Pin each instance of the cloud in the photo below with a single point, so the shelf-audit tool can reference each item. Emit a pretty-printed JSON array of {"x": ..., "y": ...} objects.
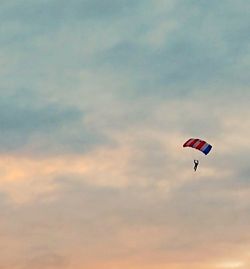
[
  {"x": 47, "y": 261},
  {"x": 145, "y": 223},
  {"x": 32, "y": 126},
  {"x": 97, "y": 98}
]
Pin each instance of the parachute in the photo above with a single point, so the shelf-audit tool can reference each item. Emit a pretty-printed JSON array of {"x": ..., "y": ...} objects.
[{"x": 198, "y": 144}]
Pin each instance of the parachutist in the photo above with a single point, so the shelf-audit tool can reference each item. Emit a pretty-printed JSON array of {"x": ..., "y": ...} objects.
[
  {"x": 200, "y": 145},
  {"x": 196, "y": 163}
]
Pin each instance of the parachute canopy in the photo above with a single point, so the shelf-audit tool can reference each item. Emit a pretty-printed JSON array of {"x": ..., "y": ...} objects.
[{"x": 196, "y": 143}]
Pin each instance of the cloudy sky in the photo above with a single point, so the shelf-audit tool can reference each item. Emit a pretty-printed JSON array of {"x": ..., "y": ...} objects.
[{"x": 97, "y": 98}]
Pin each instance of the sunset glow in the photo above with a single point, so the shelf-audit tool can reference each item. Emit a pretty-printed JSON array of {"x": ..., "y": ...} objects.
[{"x": 97, "y": 99}]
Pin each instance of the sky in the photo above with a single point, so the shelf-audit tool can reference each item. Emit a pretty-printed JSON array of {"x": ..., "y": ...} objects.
[{"x": 97, "y": 99}]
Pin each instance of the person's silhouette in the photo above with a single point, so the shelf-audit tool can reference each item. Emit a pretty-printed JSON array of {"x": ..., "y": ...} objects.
[{"x": 196, "y": 163}]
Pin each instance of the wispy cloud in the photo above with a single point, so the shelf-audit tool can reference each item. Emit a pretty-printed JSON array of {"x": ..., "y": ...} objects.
[{"x": 97, "y": 98}]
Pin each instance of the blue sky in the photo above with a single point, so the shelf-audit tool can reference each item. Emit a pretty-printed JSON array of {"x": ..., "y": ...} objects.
[{"x": 97, "y": 98}]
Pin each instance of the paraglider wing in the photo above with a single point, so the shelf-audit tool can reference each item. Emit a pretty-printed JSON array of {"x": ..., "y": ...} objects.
[{"x": 201, "y": 145}]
